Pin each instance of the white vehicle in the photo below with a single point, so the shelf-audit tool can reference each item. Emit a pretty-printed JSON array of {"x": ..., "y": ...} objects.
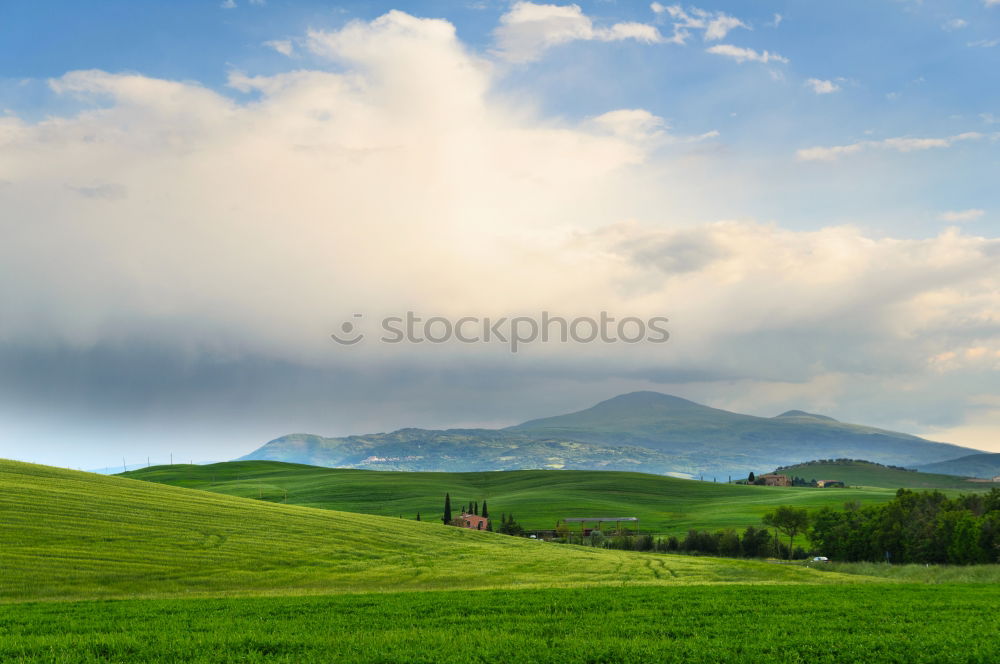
[{"x": 821, "y": 559}]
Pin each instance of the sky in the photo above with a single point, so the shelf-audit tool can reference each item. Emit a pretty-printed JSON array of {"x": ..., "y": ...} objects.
[{"x": 195, "y": 195}]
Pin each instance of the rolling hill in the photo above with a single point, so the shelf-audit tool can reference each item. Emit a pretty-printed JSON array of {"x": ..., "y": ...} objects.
[
  {"x": 867, "y": 474},
  {"x": 974, "y": 465},
  {"x": 641, "y": 431},
  {"x": 537, "y": 498},
  {"x": 74, "y": 535}
]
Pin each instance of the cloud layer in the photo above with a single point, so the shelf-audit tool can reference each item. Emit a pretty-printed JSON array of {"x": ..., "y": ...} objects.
[{"x": 239, "y": 230}]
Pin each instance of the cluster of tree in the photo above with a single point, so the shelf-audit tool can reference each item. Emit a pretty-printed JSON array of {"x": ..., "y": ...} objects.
[
  {"x": 471, "y": 508},
  {"x": 753, "y": 543},
  {"x": 508, "y": 526},
  {"x": 924, "y": 527}
]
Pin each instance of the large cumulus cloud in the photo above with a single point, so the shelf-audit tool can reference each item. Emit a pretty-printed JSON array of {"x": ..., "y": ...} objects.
[{"x": 243, "y": 227}]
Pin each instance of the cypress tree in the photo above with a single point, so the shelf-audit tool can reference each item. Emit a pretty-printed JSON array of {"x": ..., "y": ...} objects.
[
  {"x": 475, "y": 508},
  {"x": 486, "y": 512},
  {"x": 418, "y": 516},
  {"x": 447, "y": 509},
  {"x": 751, "y": 478}
]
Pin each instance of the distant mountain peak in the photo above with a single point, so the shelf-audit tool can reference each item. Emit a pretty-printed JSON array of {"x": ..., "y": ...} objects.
[
  {"x": 648, "y": 398},
  {"x": 802, "y": 413}
]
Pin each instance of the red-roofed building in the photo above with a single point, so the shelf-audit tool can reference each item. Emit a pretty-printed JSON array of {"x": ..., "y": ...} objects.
[{"x": 474, "y": 521}]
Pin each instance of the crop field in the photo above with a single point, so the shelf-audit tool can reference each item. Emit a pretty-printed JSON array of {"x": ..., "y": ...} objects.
[
  {"x": 73, "y": 535},
  {"x": 900, "y": 623},
  {"x": 537, "y": 498}
]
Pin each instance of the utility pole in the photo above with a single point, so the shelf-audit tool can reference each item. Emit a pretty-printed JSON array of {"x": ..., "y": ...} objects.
[{"x": 124, "y": 468}]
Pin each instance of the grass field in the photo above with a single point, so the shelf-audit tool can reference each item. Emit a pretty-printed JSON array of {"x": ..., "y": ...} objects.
[
  {"x": 73, "y": 535},
  {"x": 752, "y": 624},
  {"x": 537, "y": 498},
  {"x": 109, "y": 569},
  {"x": 862, "y": 473}
]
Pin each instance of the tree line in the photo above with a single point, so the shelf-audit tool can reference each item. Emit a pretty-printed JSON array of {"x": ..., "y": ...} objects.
[
  {"x": 752, "y": 543},
  {"x": 914, "y": 527},
  {"x": 924, "y": 527}
]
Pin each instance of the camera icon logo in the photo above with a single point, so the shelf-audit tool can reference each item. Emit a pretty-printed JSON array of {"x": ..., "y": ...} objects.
[{"x": 350, "y": 333}]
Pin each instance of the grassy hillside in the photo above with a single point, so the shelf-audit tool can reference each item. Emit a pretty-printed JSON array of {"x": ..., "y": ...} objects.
[
  {"x": 863, "y": 473},
  {"x": 974, "y": 465},
  {"x": 537, "y": 498},
  {"x": 69, "y": 534},
  {"x": 779, "y": 624}
]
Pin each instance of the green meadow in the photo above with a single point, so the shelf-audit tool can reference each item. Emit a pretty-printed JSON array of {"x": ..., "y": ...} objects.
[
  {"x": 537, "y": 498},
  {"x": 74, "y": 535},
  {"x": 738, "y": 623},
  {"x": 110, "y": 569}
]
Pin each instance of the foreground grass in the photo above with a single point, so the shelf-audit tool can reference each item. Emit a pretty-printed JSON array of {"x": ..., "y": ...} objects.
[
  {"x": 537, "y": 498},
  {"x": 894, "y": 623},
  {"x": 919, "y": 573},
  {"x": 73, "y": 535}
]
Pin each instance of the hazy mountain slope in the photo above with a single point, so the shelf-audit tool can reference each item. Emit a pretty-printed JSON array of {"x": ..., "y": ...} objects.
[
  {"x": 679, "y": 426},
  {"x": 974, "y": 465},
  {"x": 643, "y": 431},
  {"x": 458, "y": 450}
]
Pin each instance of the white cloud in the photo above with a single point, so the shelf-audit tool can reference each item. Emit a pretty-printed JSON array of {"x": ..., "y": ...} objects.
[
  {"x": 713, "y": 25},
  {"x": 983, "y": 43},
  {"x": 822, "y": 87},
  {"x": 528, "y": 29},
  {"x": 903, "y": 144},
  {"x": 283, "y": 46},
  {"x": 954, "y": 24},
  {"x": 228, "y": 4},
  {"x": 992, "y": 3},
  {"x": 632, "y": 124},
  {"x": 745, "y": 54},
  {"x": 639, "y": 126},
  {"x": 778, "y": 18},
  {"x": 958, "y": 216}
]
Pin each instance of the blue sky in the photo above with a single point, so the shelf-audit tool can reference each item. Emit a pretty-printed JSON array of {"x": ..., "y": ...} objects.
[
  {"x": 195, "y": 193},
  {"x": 903, "y": 68}
]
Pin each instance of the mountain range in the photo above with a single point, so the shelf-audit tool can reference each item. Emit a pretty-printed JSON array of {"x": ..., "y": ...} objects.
[
  {"x": 641, "y": 431},
  {"x": 985, "y": 466}
]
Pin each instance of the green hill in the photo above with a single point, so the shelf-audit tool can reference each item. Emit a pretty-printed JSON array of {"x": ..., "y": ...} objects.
[
  {"x": 537, "y": 498},
  {"x": 868, "y": 474},
  {"x": 68, "y": 534},
  {"x": 974, "y": 465},
  {"x": 642, "y": 431}
]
